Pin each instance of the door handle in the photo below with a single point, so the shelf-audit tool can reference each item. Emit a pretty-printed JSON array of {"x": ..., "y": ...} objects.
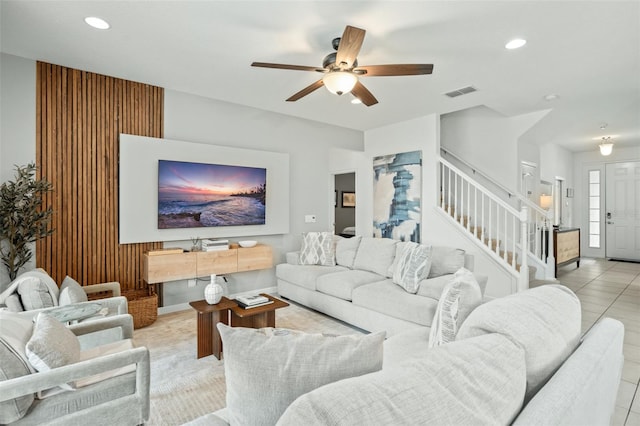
[{"x": 609, "y": 222}]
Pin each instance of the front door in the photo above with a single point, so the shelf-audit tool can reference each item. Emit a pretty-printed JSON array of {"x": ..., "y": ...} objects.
[{"x": 622, "y": 210}]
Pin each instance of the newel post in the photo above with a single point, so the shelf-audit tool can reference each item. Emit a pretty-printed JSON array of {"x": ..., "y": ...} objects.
[
  {"x": 550, "y": 273},
  {"x": 523, "y": 281}
]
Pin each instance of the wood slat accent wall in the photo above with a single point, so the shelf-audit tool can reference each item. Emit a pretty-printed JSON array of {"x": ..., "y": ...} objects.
[{"x": 79, "y": 116}]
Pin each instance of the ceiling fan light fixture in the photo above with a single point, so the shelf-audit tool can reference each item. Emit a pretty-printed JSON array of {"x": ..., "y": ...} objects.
[
  {"x": 606, "y": 147},
  {"x": 339, "y": 82}
]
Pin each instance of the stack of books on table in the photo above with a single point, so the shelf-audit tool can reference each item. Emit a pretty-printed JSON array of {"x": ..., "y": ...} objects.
[
  {"x": 247, "y": 302},
  {"x": 213, "y": 245}
]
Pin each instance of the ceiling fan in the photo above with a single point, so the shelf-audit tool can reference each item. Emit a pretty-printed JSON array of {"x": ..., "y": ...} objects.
[{"x": 341, "y": 70}]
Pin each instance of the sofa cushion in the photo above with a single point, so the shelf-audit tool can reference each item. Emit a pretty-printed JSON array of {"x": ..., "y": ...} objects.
[
  {"x": 14, "y": 334},
  {"x": 545, "y": 321},
  {"x": 13, "y": 303},
  {"x": 461, "y": 296},
  {"x": 411, "y": 265},
  {"x": 34, "y": 294},
  {"x": 71, "y": 292},
  {"x": 432, "y": 287},
  {"x": 317, "y": 249},
  {"x": 341, "y": 284},
  {"x": 346, "y": 249},
  {"x": 477, "y": 382},
  {"x": 387, "y": 298},
  {"x": 267, "y": 369},
  {"x": 375, "y": 255},
  {"x": 305, "y": 275},
  {"x": 445, "y": 260}
]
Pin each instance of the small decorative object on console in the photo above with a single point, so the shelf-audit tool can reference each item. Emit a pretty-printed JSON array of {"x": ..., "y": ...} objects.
[
  {"x": 247, "y": 243},
  {"x": 213, "y": 291}
]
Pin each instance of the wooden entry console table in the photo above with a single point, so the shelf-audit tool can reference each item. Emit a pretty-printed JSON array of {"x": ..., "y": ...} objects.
[
  {"x": 161, "y": 268},
  {"x": 566, "y": 244}
]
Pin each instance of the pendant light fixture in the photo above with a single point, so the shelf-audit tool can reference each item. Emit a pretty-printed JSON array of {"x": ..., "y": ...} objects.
[{"x": 606, "y": 146}]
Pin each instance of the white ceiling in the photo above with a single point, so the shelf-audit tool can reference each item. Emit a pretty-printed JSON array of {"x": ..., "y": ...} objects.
[{"x": 587, "y": 52}]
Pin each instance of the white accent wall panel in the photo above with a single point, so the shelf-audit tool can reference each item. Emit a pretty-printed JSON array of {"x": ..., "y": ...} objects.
[{"x": 139, "y": 187}]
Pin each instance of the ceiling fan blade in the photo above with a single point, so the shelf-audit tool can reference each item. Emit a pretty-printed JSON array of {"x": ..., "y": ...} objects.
[
  {"x": 304, "y": 92},
  {"x": 287, "y": 67},
  {"x": 349, "y": 46},
  {"x": 392, "y": 70},
  {"x": 362, "y": 93}
]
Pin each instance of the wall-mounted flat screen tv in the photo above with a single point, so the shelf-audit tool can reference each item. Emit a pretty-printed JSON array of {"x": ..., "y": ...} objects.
[{"x": 194, "y": 195}]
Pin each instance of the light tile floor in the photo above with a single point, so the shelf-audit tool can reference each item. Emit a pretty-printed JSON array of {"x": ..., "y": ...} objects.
[{"x": 612, "y": 289}]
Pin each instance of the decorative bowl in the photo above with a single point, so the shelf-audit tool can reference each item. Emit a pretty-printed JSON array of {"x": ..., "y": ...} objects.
[{"x": 247, "y": 243}]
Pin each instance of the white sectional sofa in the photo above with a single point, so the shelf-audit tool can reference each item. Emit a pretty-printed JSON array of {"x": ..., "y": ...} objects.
[
  {"x": 359, "y": 289},
  {"x": 517, "y": 360}
]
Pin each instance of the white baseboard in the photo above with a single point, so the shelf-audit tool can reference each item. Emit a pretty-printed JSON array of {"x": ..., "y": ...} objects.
[{"x": 184, "y": 306}]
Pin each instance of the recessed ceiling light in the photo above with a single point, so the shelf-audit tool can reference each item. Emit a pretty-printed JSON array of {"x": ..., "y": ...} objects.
[
  {"x": 356, "y": 101},
  {"x": 96, "y": 22},
  {"x": 551, "y": 97},
  {"x": 516, "y": 43}
]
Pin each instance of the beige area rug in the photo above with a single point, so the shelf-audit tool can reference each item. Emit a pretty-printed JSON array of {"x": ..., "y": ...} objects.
[{"x": 183, "y": 387}]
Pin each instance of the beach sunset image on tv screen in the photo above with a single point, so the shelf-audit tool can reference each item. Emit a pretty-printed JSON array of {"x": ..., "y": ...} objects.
[{"x": 193, "y": 195}]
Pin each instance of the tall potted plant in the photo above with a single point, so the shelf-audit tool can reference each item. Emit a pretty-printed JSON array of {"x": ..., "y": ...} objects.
[{"x": 22, "y": 220}]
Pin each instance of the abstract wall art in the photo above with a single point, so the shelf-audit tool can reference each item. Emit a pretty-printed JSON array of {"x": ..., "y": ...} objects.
[{"x": 397, "y": 189}]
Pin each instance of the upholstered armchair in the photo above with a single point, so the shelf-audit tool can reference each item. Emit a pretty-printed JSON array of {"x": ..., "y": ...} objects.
[
  {"x": 109, "y": 381},
  {"x": 35, "y": 291}
]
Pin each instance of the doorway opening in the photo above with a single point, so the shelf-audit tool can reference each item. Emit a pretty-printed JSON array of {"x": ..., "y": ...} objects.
[{"x": 344, "y": 222}]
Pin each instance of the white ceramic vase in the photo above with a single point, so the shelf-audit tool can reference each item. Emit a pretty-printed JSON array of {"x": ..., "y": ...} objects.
[{"x": 213, "y": 291}]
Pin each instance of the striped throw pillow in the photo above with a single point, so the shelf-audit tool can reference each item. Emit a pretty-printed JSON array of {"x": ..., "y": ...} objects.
[
  {"x": 459, "y": 297},
  {"x": 412, "y": 266}
]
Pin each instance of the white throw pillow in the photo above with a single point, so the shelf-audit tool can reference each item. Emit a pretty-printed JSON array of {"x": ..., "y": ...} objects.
[
  {"x": 71, "y": 292},
  {"x": 267, "y": 369},
  {"x": 317, "y": 249},
  {"x": 52, "y": 345},
  {"x": 411, "y": 266},
  {"x": 459, "y": 297}
]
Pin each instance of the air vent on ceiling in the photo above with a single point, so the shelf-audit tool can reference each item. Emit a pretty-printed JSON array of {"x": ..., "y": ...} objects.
[{"x": 460, "y": 92}]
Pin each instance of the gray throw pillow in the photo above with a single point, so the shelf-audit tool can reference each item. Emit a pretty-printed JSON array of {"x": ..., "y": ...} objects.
[
  {"x": 445, "y": 260},
  {"x": 317, "y": 249},
  {"x": 267, "y": 369},
  {"x": 411, "y": 266},
  {"x": 545, "y": 321},
  {"x": 459, "y": 297},
  {"x": 34, "y": 294},
  {"x": 71, "y": 292},
  {"x": 52, "y": 345}
]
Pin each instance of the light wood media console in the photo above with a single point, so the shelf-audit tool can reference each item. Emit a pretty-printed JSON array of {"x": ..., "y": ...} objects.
[{"x": 158, "y": 269}]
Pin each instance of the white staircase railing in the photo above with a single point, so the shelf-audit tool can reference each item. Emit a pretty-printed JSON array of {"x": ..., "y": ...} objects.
[
  {"x": 540, "y": 232},
  {"x": 499, "y": 228}
]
